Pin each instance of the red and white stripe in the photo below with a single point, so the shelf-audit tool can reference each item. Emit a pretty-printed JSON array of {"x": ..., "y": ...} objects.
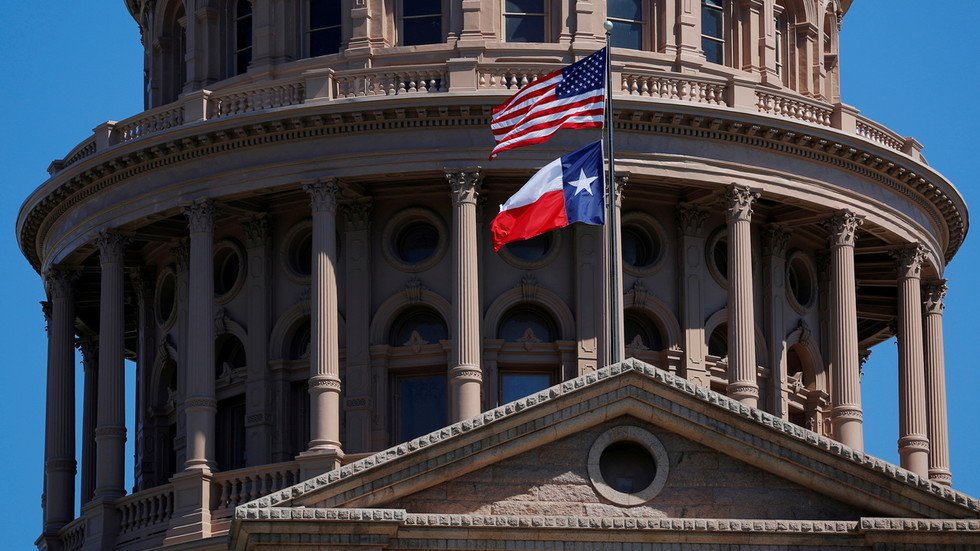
[{"x": 535, "y": 113}]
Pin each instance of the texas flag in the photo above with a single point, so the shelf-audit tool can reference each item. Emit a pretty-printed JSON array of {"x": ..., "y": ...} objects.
[{"x": 567, "y": 190}]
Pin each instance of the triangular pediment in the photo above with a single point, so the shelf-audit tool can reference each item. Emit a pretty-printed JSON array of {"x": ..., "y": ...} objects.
[{"x": 725, "y": 460}]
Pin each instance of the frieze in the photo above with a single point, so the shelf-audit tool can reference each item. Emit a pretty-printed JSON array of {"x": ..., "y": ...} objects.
[{"x": 88, "y": 181}]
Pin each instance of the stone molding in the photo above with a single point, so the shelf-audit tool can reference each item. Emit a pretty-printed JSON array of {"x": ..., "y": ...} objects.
[
  {"x": 357, "y": 215},
  {"x": 765, "y": 422},
  {"x": 256, "y": 229},
  {"x": 323, "y": 195},
  {"x": 775, "y": 237},
  {"x": 690, "y": 219},
  {"x": 80, "y": 184},
  {"x": 842, "y": 228}
]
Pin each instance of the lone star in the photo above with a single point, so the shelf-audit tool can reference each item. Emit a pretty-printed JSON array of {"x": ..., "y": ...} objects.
[{"x": 583, "y": 183}]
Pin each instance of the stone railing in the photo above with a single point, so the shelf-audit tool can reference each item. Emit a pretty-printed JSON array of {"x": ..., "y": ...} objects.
[
  {"x": 81, "y": 151},
  {"x": 145, "y": 513},
  {"x": 149, "y": 122},
  {"x": 493, "y": 77},
  {"x": 73, "y": 535},
  {"x": 256, "y": 99},
  {"x": 391, "y": 81},
  {"x": 674, "y": 87},
  {"x": 240, "y": 486},
  {"x": 874, "y": 132},
  {"x": 790, "y": 107}
]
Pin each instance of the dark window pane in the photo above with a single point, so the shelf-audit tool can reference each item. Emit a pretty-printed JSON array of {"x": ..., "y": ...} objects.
[
  {"x": 423, "y": 30},
  {"x": 524, "y": 6},
  {"x": 518, "y": 385},
  {"x": 421, "y": 7},
  {"x": 627, "y": 35},
  {"x": 242, "y": 59},
  {"x": 721, "y": 257},
  {"x": 428, "y": 324},
  {"x": 229, "y": 434},
  {"x": 712, "y": 23},
  {"x": 524, "y": 28},
  {"x": 523, "y": 322},
  {"x": 635, "y": 327},
  {"x": 324, "y": 13},
  {"x": 715, "y": 3},
  {"x": 530, "y": 250},
  {"x": 421, "y": 405},
  {"x": 714, "y": 52},
  {"x": 417, "y": 242},
  {"x": 326, "y": 41},
  {"x": 718, "y": 341},
  {"x": 243, "y": 8},
  {"x": 625, "y": 9},
  {"x": 627, "y": 467},
  {"x": 244, "y": 33},
  {"x": 640, "y": 247}
]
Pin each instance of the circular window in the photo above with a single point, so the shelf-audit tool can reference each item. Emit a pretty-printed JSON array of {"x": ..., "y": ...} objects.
[
  {"x": 628, "y": 465},
  {"x": 166, "y": 298},
  {"x": 801, "y": 280},
  {"x": 642, "y": 244},
  {"x": 228, "y": 270},
  {"x": 298, "y": 250},
  {"x": 533, "y": 253},
  {"x": 414, "y": 240}
]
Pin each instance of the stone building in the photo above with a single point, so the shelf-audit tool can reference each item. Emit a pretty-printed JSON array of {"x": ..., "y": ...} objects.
[{"x": 291, "y": 245}]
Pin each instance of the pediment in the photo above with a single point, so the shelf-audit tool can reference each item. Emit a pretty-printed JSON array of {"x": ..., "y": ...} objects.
[{"x": 722, "y": 454}]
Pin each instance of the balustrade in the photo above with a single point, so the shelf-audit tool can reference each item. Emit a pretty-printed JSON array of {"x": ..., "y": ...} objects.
[
  {"x": 390, "y": 82},
  {"x": 494, "y": 78},
  {"x": 145, "y": 509},
  {"x": 793, "y": 108},
  {"x": 244, "y": 485},
  {"x": 879, "y": 134},
  {"x": 148, "y": 123},
  {"x": 246, "y": 101},
  {"x": 669, "y": 87}
]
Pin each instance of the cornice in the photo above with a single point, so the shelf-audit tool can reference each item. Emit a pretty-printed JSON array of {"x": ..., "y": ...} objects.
[{"x": 918, "y": 183}]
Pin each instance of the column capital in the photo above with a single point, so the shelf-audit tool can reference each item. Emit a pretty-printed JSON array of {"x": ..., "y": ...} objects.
[
  {"x": 621, "y": 181},
  {"x": 46, "y": 312},
  {"x": 200, "y": 215},
  {"x": 111, "y": 246},
  {"x": 323, "y": 194},
  {"x": 842, "y": 227},
  {"x": 738, "y": 201},
  {"x": 357, "y": 215},
  {"x": 89, "y": 348},
  {"x": 690, "y": 218},
  {"x": 465, "y": 184},
  {"x": 933, "y": 296},
  {"x": 256, "y": 230},
  {"x": 775, "y": 237},
  {"x": 59, "y": 281},
  {"x": 909, "y": 260}
]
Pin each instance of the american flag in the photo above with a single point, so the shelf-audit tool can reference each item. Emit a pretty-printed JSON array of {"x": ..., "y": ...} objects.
[{"x": 572, "y": 97}]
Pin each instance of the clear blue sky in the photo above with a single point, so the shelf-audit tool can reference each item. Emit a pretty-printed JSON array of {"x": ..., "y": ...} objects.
[{"x": 67, "y": 65}]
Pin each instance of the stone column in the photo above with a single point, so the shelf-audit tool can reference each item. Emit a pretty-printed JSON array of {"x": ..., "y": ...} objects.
[
  {"x": 59, "y": 419},
  {"x": 258, "y": 419},
  {"x": 589, "y": 293},
  {"x": 691, "y": 272},
  {"x": 90, "y": 358},
  {"x": 935, "y": 373},
  {"x": 199, "y": 404},
  {"x": 142, "y": 279},
  {"x": 742, "y": 383},
  {"x": 465, "y": 375},
  {"x": 324, "y": 451},
  {"x": 110, "y": 432},
  {"x": 913, "y": 442},
  {"x": 846, "y": 417},
  {"x": 358, "y": 403},
  {"x": 181, "y": 254},
  {"x": 774, "y": 240}
]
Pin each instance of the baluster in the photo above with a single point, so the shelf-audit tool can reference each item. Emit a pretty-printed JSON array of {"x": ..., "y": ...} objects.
[{"x": 225, "y": 490}]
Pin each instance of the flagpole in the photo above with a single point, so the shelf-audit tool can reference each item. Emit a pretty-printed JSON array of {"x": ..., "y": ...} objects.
[{"x": 612, "y": 257}]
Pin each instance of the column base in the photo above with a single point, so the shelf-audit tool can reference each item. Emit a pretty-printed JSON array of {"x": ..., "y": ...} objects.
[
  {"x": 193, "y": 494},
  {"x": 746, "y": 393},
  {"x": 313, "y": 463},
  {"x": 941, "y": 476},
  {"x": 102, "y": 525},
  {"x": 848, "y": 427},
  {"x": 913, "y": 452}
]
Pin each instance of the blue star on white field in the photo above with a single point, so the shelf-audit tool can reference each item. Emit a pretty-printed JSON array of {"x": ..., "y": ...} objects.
[{"x": 584, "y": 183}]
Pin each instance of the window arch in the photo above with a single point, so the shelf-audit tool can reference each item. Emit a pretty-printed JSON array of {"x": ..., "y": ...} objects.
[
  {"x": 640, "y": 333},
  {"x": 417, "y": 326},
  {"x": 528, "y": 367},
  {"x": 243, "y": 35},
  {"x": 299, "y": 341},
  {"x": 830, "y": 47},
  {"x": 323, "y": 27},
  {"x": 229, "y": 355},
  {"x": 526, "y": 322}
]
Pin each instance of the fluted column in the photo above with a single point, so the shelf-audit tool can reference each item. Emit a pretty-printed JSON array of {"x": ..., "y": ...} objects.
[
  {"x": 199, "y": 404},
  {"x": 110, "y": 432},
  {"x": 742, "y": 384},
  {"x": 846, "y": 416},
  {"x": 913, "y": 442},
  {"x": 59, "y": 420},
  {"x": 935, "y": 374},
  {"x": 466, "y": 378},
  {"x": 90, "y": 359},
  {"x": 324, "y": 338}
]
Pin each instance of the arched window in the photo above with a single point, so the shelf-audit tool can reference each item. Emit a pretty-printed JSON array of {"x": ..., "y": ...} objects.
[
  {"x": 640, "y": 333},
  {"x": 229, "y": 355},
  {"x": 627, "y": 16},
  {"x": 229, "y": 430},
  {"x": 173, "y": 46},
  {"x": 525, "y": 20},
  {"x": 421, "y": 22},
  {"x": 323, "y": 35},
  {"x": 299, "y": 341},
  {"x": 718, "y": 341},
  {"x": 418, "y": 326},
  {"x": 520, "y": 376},
  {"x": 243, "y": 35},
  {"x": 165, "y": 423},
  {"x": 779, "y": 21},
  {"x": 713, "y": 30},
  {"x": 525, "y": 323},
  {"x": 830, "y": 60}
]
